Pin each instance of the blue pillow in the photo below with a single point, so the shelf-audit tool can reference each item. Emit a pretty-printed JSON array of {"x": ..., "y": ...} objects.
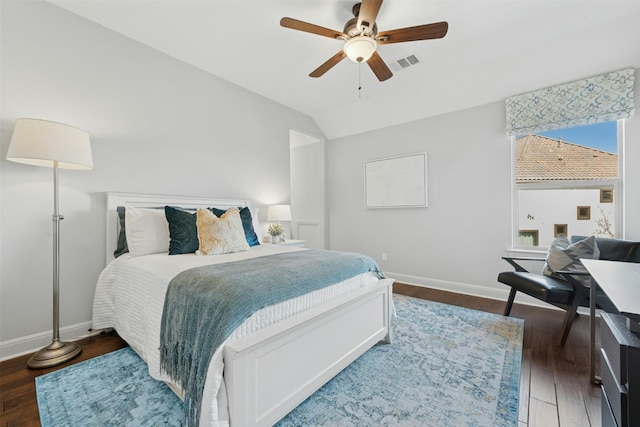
[
  {"x": 122, "y": 247},
  {"x": 183, "y": 233},
  {"x": 247, "y": 224}
]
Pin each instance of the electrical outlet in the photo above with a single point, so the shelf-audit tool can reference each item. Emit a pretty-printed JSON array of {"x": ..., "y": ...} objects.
[{"x": 384, "y": 256}]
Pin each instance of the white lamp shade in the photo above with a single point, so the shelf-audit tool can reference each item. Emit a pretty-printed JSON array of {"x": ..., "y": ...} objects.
[
  {"x": 360, "y": 48},
  {"x": 279, "y": 213},
  {"x": 41, "y": 143}
]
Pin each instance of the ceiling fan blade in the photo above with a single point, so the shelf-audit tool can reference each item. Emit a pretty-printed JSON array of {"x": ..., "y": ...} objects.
[
  {"x": 295, "y": 24},
  {"x": 368, "y": 13},
  {"x": 379, "y": 68},
  {"x": 421, "y": 32},
  {"x": 329, "y": 64}
]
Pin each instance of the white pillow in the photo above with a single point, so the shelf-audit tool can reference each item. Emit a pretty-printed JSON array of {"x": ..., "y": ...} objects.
[
  {"x": 147, "y": 230},
  {"x": 256, "y": 222},
  {"x": 564, "y": 256}
]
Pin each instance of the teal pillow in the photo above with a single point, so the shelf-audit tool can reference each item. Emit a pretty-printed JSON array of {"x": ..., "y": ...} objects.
[{"x": 183, "y": 233}]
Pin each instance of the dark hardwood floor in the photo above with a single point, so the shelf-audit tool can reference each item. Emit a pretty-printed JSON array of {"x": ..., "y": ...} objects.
[{"x": 554, "y": 387}]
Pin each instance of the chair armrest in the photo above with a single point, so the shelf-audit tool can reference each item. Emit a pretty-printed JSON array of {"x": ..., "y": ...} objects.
[
  {"x": 573, "y": 273},
  {"x": 512, "y": 260},
  {"x": 568, "y": 276}
]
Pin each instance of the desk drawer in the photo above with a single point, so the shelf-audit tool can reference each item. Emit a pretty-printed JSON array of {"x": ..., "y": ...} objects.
[
  {"x": 614, "y": 392},
  {"x": 611, "y": 345},
  {"x": 608, "y": 419}
]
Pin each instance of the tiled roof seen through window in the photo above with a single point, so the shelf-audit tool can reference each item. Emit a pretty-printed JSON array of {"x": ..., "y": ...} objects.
[{"x": 539, "y": 158}]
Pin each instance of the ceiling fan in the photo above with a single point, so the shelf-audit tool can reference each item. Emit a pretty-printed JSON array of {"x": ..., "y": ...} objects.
[{"x": 361, "y": 37}]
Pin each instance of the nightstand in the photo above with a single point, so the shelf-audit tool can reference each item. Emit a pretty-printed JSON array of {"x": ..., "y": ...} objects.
[{"x": 291, "y": 242}]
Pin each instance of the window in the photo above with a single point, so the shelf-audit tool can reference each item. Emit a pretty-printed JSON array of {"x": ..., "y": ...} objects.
[
  {"x": 557, "y": 171},
  {"x": 560, "y": 230},
  {"x": 584, "y": 213},
  {"x": 606, "y": 196},
  {"x": 528, "y": 237},
  {"x": 566, "y": 179}
]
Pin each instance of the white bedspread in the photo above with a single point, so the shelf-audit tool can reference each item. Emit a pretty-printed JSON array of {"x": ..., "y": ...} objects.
[{"x": 130, "y": 297}]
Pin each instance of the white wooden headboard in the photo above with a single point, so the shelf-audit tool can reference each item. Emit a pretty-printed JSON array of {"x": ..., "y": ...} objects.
[{"x": 153, "y": 201}]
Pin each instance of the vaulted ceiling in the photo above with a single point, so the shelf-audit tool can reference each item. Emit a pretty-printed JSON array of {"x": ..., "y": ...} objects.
[{"x": 494, "y": 48}]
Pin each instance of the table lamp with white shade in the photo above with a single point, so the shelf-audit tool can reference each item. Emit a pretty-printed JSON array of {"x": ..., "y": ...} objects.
[
  {"x": 59, "y": 146},
  {"x": 277, "y": 213}
]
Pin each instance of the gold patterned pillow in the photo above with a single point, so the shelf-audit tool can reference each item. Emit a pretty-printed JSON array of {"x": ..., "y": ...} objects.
[{"x": 220, "y": 235}]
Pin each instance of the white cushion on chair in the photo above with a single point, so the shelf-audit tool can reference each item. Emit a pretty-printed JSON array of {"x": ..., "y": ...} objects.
[{"x": 564, "y": 256}]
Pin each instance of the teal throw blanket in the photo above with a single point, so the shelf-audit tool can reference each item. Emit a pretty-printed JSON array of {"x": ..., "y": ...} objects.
[{"x": 204, "y": 305}]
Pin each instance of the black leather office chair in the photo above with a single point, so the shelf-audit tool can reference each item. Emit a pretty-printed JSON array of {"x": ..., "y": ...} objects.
[{"x": 566, "y": 292}]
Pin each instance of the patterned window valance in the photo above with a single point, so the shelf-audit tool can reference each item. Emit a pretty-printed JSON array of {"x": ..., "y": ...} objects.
[{"x": 598, "y": 99}]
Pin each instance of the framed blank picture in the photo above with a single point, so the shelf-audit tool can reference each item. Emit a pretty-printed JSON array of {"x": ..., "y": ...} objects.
[{"x": 396, "y": 182}]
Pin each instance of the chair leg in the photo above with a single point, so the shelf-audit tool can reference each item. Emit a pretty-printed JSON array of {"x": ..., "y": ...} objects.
[
  {"x": 568, "y": 320},
  {"x": 512, "y": 296}
]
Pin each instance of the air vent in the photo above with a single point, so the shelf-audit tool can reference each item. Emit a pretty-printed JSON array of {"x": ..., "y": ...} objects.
[{"x": 403, "y": 63}]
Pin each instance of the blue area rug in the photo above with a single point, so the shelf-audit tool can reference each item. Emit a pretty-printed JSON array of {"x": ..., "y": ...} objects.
[
  {"x": 110, "y": 390},
  {"x": 448, "y": 366}
]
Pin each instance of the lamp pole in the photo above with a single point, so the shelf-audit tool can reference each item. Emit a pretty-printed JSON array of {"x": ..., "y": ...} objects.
[{"x": 58, "y": 351}]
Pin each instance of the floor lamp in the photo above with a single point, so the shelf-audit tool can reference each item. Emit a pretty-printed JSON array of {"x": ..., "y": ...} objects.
[{"x": 44, "y": 143}]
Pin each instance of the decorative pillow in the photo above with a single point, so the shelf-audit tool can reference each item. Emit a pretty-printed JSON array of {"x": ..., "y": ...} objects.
[
  {"x": 220, "y": 235},
  {"x": 247, "y": 224},
  {"x": 147, "y": 231},
  {"x": 122, "y": 235},
  {"x": 564, "y": 256},
  {"x": 183, "y": 232}
]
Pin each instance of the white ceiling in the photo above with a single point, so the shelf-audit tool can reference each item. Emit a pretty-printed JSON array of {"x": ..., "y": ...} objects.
[{"x": 493, "y": 49}]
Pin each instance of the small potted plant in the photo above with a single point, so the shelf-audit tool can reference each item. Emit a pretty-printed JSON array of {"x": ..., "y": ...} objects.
[{"x": 275, "y": 231}]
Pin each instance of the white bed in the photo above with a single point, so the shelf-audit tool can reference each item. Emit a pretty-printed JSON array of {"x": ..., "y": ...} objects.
[{"x": 276, "y": 358}]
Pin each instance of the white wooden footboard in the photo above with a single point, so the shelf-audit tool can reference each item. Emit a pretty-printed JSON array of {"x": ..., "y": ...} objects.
[{"x": 270, "y": 372}]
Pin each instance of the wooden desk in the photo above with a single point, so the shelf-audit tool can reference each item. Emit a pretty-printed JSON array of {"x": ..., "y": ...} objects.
[{"x": 621, "y": 282}]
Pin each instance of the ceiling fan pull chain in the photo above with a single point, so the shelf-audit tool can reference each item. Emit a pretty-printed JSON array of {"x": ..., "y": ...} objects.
[{"x": 359, "y": 80}]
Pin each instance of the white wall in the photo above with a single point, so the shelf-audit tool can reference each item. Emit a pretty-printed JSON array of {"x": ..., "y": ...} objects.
[
  {"x": 157, "y": 125},
  {"x": 632, "y": 170},
  {"x": 308, "y": 192},
  {"x": 457, "y": 241}
]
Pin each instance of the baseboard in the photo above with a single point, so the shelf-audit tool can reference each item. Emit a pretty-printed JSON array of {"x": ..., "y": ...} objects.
[
  {"x": 468, "y": 289},
  {"x": 32, "y": 343}
]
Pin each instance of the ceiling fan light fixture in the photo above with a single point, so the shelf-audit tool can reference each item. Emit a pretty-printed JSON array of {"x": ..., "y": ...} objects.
[
  {"x": 360, "y": 48},
  {"x": 362, "y": 39}
]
